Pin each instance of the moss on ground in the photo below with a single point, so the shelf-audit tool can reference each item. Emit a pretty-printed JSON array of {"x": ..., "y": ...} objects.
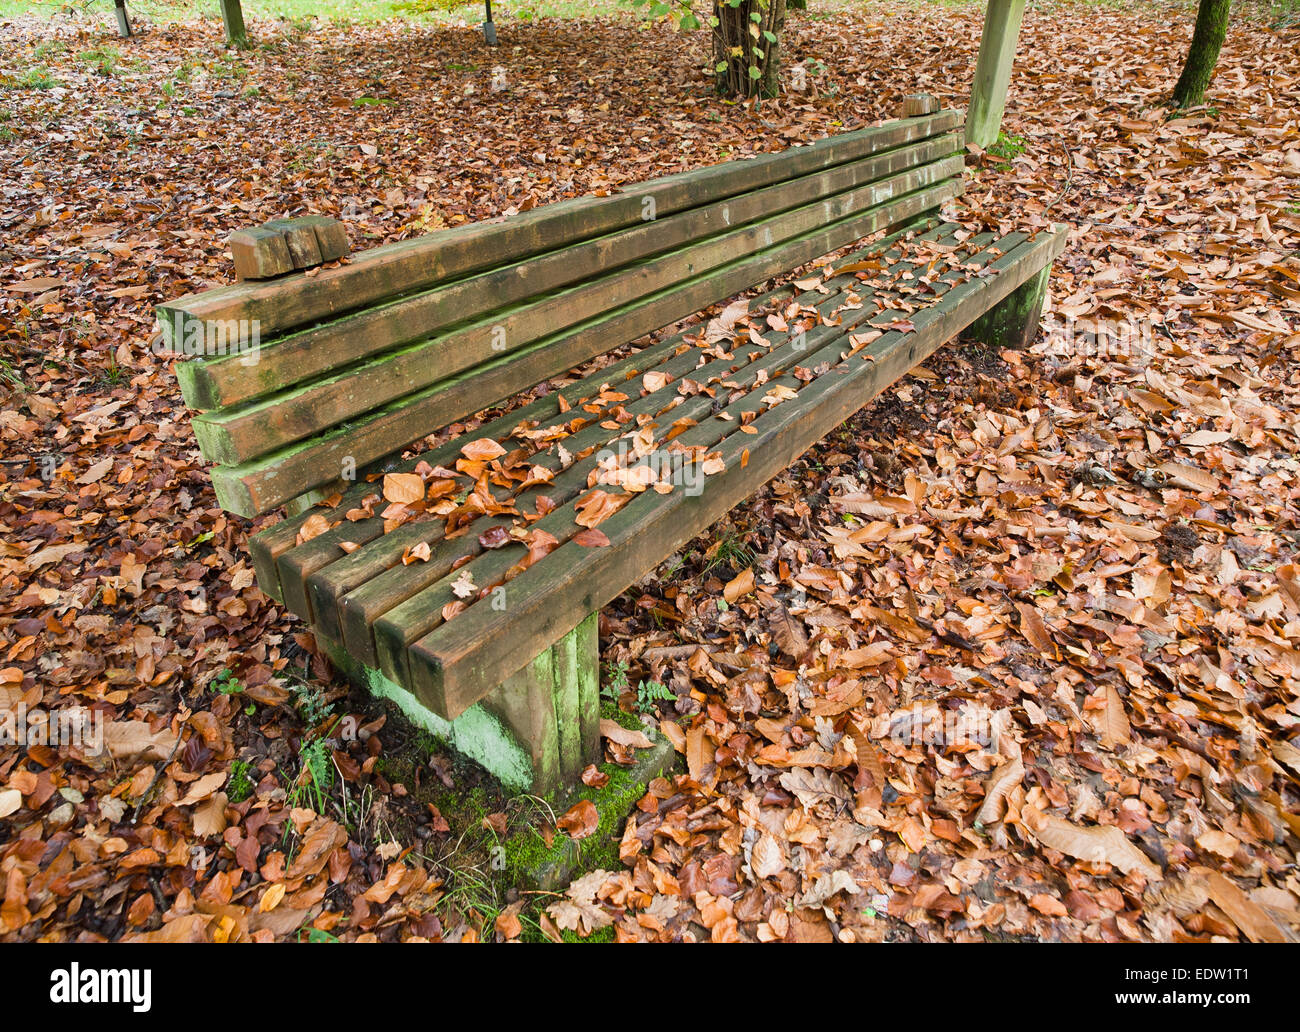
[{"x": 484, "y": 871}]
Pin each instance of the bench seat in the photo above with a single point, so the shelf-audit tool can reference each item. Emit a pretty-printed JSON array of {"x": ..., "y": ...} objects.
[{"x": 445, "y": 568}]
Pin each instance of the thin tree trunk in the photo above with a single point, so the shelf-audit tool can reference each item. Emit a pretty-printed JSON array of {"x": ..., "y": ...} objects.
[
  {"x": 1207, "y": 39},
  {"x": 742, "y": 43}
]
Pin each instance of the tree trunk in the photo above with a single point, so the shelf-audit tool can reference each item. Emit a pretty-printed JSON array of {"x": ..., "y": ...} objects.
[
  {"x": 747, "y": 47},
  {"x": 1211, "y": 28}
]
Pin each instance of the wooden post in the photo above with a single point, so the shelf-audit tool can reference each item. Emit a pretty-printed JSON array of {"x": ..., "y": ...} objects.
[
  {"x": 123, "y": 22},
  {"x": 535, "y": 731},
  {"x": 233, "y": 16},
  {"x": 1013, "y": 322},
  {"x": 993, "y": 71}
]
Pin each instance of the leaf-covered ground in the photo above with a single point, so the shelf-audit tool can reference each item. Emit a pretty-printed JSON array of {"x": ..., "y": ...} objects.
[{"x": 1012, "y": 654}]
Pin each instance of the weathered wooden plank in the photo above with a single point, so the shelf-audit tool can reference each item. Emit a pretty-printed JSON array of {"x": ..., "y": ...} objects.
[
  {"x": 409, "y": 265},
  {"x": 326, "y": 348},
  {"x": 262, "y": 484},
  {"x": 458, "y": 662},
  {"x": 420, "y": 612},
  {"x": 240, "y": 434},
  {"x": 270, "y": 544}
]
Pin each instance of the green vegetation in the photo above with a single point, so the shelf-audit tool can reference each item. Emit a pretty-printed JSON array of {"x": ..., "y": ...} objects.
[
  {"x": 225, "y": 682},
  {"x": 650, "y": 692},
  {"x": 104, "y": 59},
  {"x": 35, "y": 78},
  {"x": 1008, "y": 147},
  {"x": 731, "y": 552},
  {"x": 240, "y": 784}
]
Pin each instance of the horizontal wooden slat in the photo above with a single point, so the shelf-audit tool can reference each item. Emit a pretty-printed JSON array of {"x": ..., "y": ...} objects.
[
  {"x": 328, "y": 348},
  {"x": 460, "y": 661},
  {"x": 232, "y": 436},
  {"x": 264, "y": 483},
  {"x": 411, "y": 265}
]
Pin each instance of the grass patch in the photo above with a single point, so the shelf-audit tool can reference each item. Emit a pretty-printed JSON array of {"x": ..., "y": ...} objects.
[{"x": 1008, "y": 147}]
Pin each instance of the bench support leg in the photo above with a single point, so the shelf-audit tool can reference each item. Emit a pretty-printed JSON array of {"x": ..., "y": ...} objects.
[
  {"x": 535, "y": 732},
  {"x": 1013, "y": 323}
]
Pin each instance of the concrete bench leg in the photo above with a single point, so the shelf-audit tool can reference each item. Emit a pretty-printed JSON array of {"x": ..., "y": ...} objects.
[
  {"x": 1013, "y": 323},
  {"x": 534, "y": 732}
]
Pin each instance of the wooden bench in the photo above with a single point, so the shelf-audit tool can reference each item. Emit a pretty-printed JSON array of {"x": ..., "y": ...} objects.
[{"x": 461, "y": 574}]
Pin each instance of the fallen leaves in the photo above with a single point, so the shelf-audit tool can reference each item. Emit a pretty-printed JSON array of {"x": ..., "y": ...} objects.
[
  {"x": 620, "y": 735},
  {"x": 579, "y": 820},
  {"x": 1097, "y": 844},
  {"x": 403, "y": 488},
  {"x": 1108, "y": 523}
]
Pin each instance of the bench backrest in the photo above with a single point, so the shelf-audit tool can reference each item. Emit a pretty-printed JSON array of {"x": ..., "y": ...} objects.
[{"x": 327, "y": 372}]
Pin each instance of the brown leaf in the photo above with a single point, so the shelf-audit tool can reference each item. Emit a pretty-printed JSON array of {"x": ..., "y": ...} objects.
[
  {"x": 482, "y": 450},
  {"x": 1096, "y": 844},
  {"x": 741, "y": 584},
  {"x": 580, "y": 820},
  {"x": 1247, "y": 915},
  {"x": 620, "y": 735},
  {"x": 403, "y": 488}
]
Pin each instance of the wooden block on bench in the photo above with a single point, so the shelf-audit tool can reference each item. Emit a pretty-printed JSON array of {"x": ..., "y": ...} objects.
[
  {"x": 917, "y": 104},
  {"x": 331, "y": 236},
  {"x": 260, "y": 253},
  {"x": 300, "y": 238}
]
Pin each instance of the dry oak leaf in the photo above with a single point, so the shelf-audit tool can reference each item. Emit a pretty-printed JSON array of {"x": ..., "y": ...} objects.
[
  {"x": 11, "y": 801},
  {"x": 580, "y": 914},
  {"x": 620, "y": 735},
  {"x": 1102, "y": 843},
  {"x": 579, "y": 820},
  {"x": 464, "y": 586}
]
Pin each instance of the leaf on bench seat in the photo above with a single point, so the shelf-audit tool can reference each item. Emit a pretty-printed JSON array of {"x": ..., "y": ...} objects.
[
  {"x": 597, "y": 507},
  {"x": 403, "y": 488}
]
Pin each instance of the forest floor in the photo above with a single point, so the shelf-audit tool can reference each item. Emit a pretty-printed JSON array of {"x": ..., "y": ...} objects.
[{"x": 1012, "y": 654}]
